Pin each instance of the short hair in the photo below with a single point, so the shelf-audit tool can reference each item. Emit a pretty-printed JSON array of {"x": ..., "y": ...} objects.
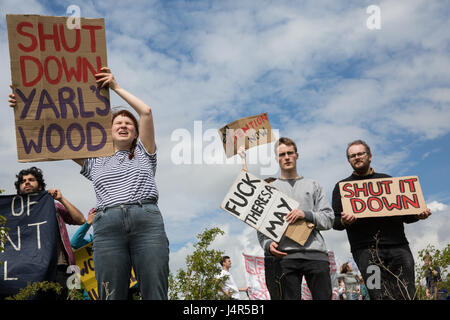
[
  {"x": 356, "y": 142},
  {"x": 223, "y": 259},
  {"x": 128, "y": 114},
  {"x": 36, "y": 172},
  {"x": 285, "y": 141}
]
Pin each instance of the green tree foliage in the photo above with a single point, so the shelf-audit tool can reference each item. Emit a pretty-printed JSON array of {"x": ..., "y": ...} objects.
[
  {"x": 199, "y": 280},
  {"x": 439, "y": 259},
  {"x": 32, "y": 289}
]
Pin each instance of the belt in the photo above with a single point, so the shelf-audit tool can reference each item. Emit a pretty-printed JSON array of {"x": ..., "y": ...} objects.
[
  {"x": 145, "y": 201},
  {"x": 138, "y": 202}
]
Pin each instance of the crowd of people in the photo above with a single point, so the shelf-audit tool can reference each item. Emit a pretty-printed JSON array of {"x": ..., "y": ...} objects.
[{"x": 128, "y": 227}]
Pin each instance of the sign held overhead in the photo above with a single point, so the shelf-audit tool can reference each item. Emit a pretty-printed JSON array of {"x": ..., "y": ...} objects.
[
  {"x": 60, "y": 111},
  {"x": 249, "y": 131}
]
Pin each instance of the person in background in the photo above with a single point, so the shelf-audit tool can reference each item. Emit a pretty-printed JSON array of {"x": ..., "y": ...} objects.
[
  {"x": 341, "y": 290},
  {"x": 230, "y": 288},
  {"x": 350, "y": 280},
  {"x": 432, "y": 277},
  {"x": 31, "y": 181},
  {"x": 363, "y": 289},
  {"x": 78, "y": 239}
]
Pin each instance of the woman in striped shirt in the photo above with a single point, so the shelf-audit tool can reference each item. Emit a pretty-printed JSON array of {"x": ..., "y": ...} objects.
[{"x": 128, "y": 228}]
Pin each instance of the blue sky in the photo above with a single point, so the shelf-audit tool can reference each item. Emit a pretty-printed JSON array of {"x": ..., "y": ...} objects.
[{"x": 324, "y": 78}]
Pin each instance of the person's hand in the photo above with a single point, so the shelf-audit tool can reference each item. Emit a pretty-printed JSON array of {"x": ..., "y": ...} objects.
[
  {"x": 425, "y": 214},
  {"x": 56, "y": 194},
  {"x": 273, "y": 249},
  {"x": 294, "y": 215},
  {"x": 347, "y": 218},
  {"x": 106, "y": 78},
  {"x": 12, "y": 98},
  {"x": 91, "y": 216},
  {"x": 241, "y": 152}
]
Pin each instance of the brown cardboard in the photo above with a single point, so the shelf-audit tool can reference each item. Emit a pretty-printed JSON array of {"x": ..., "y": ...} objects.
[
  {"x": 299, "y": 231},
  {"x": 382, "y": 197},
  {"x": 251, "y": 131},
  {"x": 52, "y": 68},
  {"x": 261, "y": 206},
  {"x": 258, "y": 204}
]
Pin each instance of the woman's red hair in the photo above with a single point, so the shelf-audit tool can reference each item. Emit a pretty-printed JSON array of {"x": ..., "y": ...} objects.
[{"x": 128, "y": 114}]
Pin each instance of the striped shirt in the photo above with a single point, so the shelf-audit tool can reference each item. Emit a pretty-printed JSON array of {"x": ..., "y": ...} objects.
[{"x": 118, "y": 179}]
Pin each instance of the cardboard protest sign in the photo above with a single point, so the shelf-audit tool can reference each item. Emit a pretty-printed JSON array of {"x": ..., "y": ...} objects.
[
  {"x": 258, "y": 204},
  {"x": 85, "y": 261},
  {"x": 255, "y": 277},
  {"x": 30, "y": 248},
  {"x": 382, "y": 197},
  {"x": 60, "y": 112},
  {"x": 299, "y": 231},
  {"x": 249, "y": 131}
]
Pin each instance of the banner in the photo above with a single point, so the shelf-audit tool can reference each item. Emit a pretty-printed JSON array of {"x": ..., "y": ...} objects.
[
  {"x": 259, "y": 204},
  {"x": 85, "y": 261},
  {"x": 255, "y": 276},
  {"x": 60, "y": 112},
  {"x": 382, "y": 197},
  {"x": 30, "y": 248},
  {"x": 249, "y": 131}
]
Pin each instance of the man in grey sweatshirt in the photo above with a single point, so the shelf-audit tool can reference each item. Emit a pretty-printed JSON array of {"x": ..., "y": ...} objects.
[{"x": 311, "y": 259}]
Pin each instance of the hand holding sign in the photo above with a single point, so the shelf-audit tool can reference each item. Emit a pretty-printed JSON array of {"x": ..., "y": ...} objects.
[
  {"x": 425, "y": 214},
  {"x": 295, "y": 215},
  {"x": 12, "y": 98},
  {"x": 106, "y": 79},
  {"x": 347, "y": 218}
]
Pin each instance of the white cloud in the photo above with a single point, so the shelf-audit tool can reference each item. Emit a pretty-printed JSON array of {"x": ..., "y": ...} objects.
[
  {"x": 324, "y": 78},
  {"x": 436, "y": 206}
]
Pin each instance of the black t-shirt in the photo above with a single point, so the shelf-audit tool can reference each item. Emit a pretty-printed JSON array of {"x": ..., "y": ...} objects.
[{"x": 364, "y": 232}]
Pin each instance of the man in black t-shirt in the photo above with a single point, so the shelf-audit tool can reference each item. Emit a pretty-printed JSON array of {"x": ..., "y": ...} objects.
[{"x": 377, "y": 239}]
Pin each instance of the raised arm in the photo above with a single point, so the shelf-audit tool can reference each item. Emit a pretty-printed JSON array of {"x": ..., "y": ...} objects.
[
  {"x": 241, "y": 152},
  {"x": 146, "y": 126},
  {"x": 75, "y": 214}
]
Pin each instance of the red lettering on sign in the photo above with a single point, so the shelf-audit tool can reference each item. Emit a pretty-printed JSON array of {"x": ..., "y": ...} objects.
[
  {"x": 370, "y": 204},
  {"x": 414, "y": 202},
  {"x": 393, "y": 205},
  {"x": 52, "y": 36},
  {"x": 358, "y": 189},
  {"x": 346, "y": 189},
  {"x": 354, "y": 202},
  {"x": 20, "y": 31}
]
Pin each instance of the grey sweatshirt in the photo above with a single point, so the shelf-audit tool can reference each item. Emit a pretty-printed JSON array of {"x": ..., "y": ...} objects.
[{"x": 317, "y": 210}]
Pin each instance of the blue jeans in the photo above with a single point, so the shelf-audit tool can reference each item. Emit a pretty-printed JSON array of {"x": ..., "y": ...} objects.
[{"x": 126, "y": 236}]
